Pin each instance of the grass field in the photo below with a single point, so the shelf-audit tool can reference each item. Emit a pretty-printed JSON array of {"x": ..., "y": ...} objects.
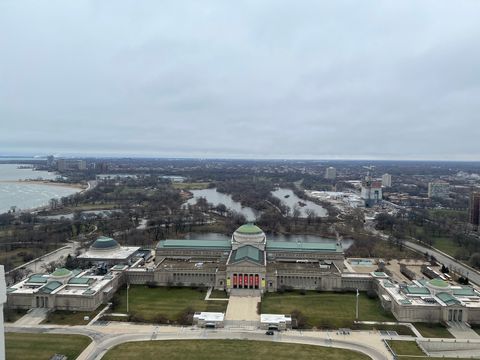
[
  {"x": 405, "y": 348},
  {"x": 409, "y": 350},
  {"x": 12, "y": 315},
  {"x": 325, "y": 310},
  {"x": 64, "y": 317},
  {"x": 152, "y": 304},
  {"x": 433, "y": 330},
  {"x": 219, "y": 294},
  {"x": 226, "y": 349},
  {"x": 20, "y": 346},
  {"x": 14, "y": 257},
  {"x": 190, "y": 185},
  {"x": 447, "y": 245}
]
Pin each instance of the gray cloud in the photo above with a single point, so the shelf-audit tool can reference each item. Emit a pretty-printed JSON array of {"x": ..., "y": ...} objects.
[{"x": 270, "y": 79}]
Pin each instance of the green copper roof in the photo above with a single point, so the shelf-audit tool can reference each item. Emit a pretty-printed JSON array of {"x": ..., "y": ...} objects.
[
  {"x": 447, "y": 298},
  {"x": 61, "y": 272},
  {"x": 438, "y": 283},
  {"x": 80, "y": 281},
  {"x": 417, "y": 290},
  {"x": 52, "y": 285},
  {"x": 249, "y": 229},
  {"x": 249, "y": 252},
  {"x": 37, "y": 279},
  {"x": 464, "y": 291},
  {"x": 104, "y": 242},
  {"x": 194, "y": 244},
  {"x": 303, "y": 246}
]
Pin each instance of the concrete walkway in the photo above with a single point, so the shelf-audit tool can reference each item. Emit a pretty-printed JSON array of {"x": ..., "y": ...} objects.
[
  {"x": 106, "y": 337},
  {"x": 243, "y": 307},
  {"x": 33, "y": 317},
  {"x": 461, "y": 331}
]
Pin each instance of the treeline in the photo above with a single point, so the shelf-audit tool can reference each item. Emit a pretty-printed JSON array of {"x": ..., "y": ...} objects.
[{"x": 428, "y": 226}]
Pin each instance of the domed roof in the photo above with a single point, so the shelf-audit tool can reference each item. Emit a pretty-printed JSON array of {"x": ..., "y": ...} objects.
[
  {"x": 104, "y": 243},
  {"x": 61, "y": 272},
  {"x": 249, "y": 229},
  {"x": 248, "y": 234},
  {"x": 439, "y": 283}
]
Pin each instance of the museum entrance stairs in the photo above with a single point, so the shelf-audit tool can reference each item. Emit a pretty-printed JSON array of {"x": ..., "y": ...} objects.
[
  {"x": 461, "y": 330},
  {"x": 242, "y": 307},
  {"x": 33, "y": 317},
  {"x": 246, "y": 292}
]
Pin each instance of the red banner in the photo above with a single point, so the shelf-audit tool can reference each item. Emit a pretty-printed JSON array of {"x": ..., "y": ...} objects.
[
  {"x": 245, "y": 280},
  {"x": 240, "y": 280},
  {"x": 234, "y": 279},
  {"x": 256, "y": 281},
  {"x": 251, "y": 280}
]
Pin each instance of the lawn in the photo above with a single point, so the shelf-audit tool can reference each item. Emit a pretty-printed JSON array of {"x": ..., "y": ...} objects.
[
  {"x": 226, "y": 349},
  {"x": 12, "y": 315},
  {"x": 21, "y": 346},
  {"x": 433, "y": 330},
  {"x": 190, "y": 185},
  {"x": 219, "y": 294},
  {"x": 163, "y": 303},
  {"x": 405, "y": 348},
  {"x": 445, "y": 244},
  {"x": 409, "y": 350},
  {"x": 325, "y": 310},
  {"x": 14, "y": 258},
  {"x": 65, "y": 317}
]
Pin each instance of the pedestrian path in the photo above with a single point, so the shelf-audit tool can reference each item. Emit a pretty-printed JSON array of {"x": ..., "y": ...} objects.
[
  {"x": 243, "y": 306},
  {"x": 33, "y": 317},
  {"x": 461, "y": 330}
]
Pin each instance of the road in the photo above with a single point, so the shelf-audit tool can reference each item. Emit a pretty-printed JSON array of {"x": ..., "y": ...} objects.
[
  {"x": 110, "y": 335},
  {"x": 451, "y": 263}
]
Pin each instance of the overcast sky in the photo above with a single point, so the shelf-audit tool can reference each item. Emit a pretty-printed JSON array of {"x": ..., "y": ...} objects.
[{"x": 243, "y": 79}]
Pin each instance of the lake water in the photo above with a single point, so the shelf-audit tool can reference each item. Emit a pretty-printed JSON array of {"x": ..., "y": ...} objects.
[
  {"x": 214, "y": 197},
  {"x": 289, "y": 198},
  {"x": 346, "y": 243},
  {"x": 25, "y": 195}
]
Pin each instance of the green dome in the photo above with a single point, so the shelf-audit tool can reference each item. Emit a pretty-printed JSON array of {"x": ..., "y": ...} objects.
[
  {"x": 249, "y": 229},
  {"x": 438, "y": 283},
  {"x": 60, "y": 272},
  {"x": 104, "y": 243}
]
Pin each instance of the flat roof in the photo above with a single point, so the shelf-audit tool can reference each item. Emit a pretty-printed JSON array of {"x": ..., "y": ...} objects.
[
  {"x": 120, "y": 253},
  {"x": 194, "y": 244},
  {"x": 275, "y": 318},
  {"x": 209, "y": 316},
  {"x": 304, "y": 246}
]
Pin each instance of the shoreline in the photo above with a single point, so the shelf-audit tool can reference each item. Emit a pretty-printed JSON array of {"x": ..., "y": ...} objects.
[{"x": 78, "y": 186}]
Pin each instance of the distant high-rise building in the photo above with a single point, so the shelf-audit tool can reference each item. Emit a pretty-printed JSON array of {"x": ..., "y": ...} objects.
[
  {"x": 438, "y": 189},
  {"x": 61, "y": 165},
  {"x": 474, "y": 209},
  {"x": 330, "y": 173},
  {"x": 71, "y": 164},
  {"x": 386, "y": 180},
  {"x": 50, "y": 160},
  {"x": 371, "y": 191}
]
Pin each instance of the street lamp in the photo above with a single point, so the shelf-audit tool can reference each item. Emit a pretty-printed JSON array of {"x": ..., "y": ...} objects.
[
  {"x": 128, "y": 287},
  {"x": 356, "y": 312}
]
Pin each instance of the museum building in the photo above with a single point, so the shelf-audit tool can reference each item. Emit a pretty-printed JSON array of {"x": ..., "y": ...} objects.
[{"x": 249, "y": 261}]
